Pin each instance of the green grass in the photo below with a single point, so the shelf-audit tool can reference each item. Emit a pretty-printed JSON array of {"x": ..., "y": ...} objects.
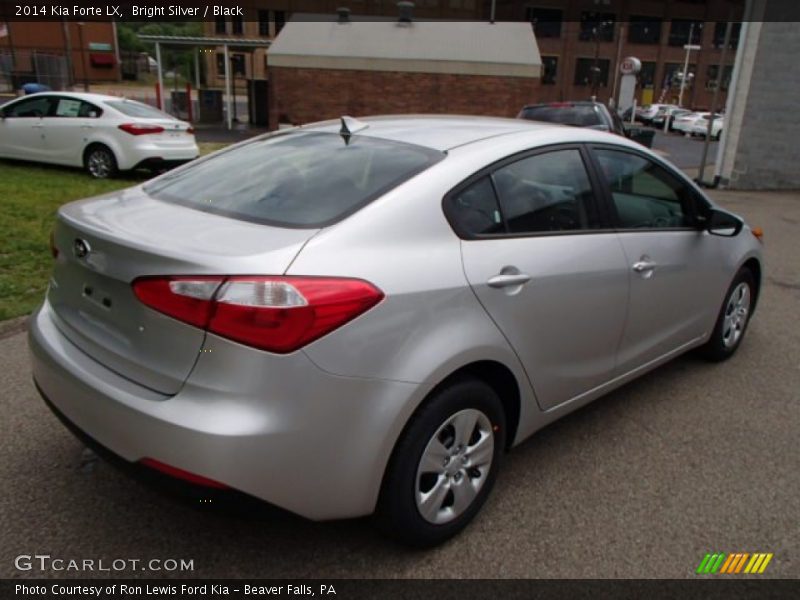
[{"x": 29, "y": 198}]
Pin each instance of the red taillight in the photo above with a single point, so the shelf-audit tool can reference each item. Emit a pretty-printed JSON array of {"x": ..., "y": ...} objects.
[
  {"x": 140, "y": 129},
  {"x": 190, "y": 131},
  {"x": 277, "y": 314},
  {"x": 53, "y": 248},
  {"x": 181, "y": 474}
]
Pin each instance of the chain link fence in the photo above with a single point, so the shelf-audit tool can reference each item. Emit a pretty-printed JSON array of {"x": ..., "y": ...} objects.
[{"x": 32, "y": 66}]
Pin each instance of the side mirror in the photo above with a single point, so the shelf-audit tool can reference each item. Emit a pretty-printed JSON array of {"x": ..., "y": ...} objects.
[{"x": 719, "y": 222}]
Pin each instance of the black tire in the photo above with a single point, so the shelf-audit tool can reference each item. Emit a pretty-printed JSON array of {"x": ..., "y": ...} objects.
[
  {"x": 398, "y": 515},
  {"x": 100, "y": 161},
  {"x": 720, "y": 345}
]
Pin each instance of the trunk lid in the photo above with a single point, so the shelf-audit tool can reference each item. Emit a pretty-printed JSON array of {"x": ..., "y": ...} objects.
[{"x": 127, "y": 235}]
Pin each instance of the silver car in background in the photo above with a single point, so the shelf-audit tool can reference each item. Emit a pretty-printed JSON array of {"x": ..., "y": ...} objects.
[{"x": 361, "y": 317}]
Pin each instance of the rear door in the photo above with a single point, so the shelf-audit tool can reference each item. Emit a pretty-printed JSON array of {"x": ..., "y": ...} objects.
[
  {"x": 670, "y": 260},
  {"x": 537, "y": 255},
  {"x": 67, "y": 130}
]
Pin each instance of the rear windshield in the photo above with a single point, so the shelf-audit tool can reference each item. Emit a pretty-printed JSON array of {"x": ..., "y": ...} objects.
[
  {"x": 305, "y": 179},
  {"x": 132, "y": 108},
  {"x": 578, "y": 116}
]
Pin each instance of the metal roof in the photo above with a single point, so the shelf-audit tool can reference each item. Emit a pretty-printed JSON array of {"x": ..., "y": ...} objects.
[
  {"x": 460, "y": 47},
  {"x": 185, "y": 40}
]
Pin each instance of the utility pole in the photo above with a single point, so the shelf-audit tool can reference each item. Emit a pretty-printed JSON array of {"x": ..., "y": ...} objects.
[
  {"x": 617, "y": 65},
  {"x": 83, "y": 57},
  {"x": 688, "y": 47},
  {"x": 68, "y": 53},
  {"x": 720, "y": 75}
]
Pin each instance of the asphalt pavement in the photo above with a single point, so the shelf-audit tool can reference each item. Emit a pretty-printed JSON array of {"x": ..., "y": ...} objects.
[{"x": 690, "y": 459}]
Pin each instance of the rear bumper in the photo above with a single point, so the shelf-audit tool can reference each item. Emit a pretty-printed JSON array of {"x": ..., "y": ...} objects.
[
  {"x": 132, "y": 156},
  {"x": 285, "y": 432}
]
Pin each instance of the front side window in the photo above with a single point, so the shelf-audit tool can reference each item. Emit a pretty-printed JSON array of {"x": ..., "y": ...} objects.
[
  {"x": 546, "y": 193},
  {"x": 645, "y": 195},
  {"x": 307, "y": 179},
  {"x": 35, "y": 107}
]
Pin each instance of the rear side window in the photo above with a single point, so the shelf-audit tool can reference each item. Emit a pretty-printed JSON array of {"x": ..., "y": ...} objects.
[
  {"x": 305, "y": 179},
  {"x": 475, "y": 210},
  {"x": 577, "y": 116},
  {"x": 132, "y": 108},
  {"x": 546, "y": 193}
]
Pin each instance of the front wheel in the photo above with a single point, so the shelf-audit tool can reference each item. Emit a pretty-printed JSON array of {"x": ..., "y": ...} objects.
[
  {"x": 100, "y": 162},
  {"x": 444, "y": 464},
  {"x": 733, "y": 318}
]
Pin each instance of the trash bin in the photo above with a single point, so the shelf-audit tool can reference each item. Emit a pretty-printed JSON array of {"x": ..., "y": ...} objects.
[
  {"x": 209, "y": 109},
  {"x": 258, "y": 102},
  {"x": 641, "y": 135},
  {"x": 180, "y": 108}
]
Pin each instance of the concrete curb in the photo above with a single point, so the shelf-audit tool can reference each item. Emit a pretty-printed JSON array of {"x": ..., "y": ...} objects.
[{"x": 14, "y": 326}]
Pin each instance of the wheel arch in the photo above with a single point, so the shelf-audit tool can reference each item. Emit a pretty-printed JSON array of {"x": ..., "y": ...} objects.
[{"x": 754, "y": 266}]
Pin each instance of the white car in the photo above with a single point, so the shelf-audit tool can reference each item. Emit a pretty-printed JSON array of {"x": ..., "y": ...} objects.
[
  {"x": 103, "y": 134},
  {"x": 684, "y": 124},
  {"x": 648, "y": 113},
  {"x": 700, "y": 127}
]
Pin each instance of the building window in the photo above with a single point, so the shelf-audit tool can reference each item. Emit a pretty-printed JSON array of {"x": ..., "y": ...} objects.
[
  {"x": 679, "y": 32},
  {"x": 237, "y": 65},
  {"x": 711, "y": 77},
  {"x": 585, "y": 73},
  {"x": 238, "y": 25},
  {"x": 546, "y": 21},
  {"x": 647, "y": 75},
  {"x": 644, "y": 30},
  {"x": 263, "y": 23},
  {"x": 719, "y": 34},
  {"x": 549, "y": 69},
  {"x": 673, "y": 73},
  {"x": 599, "y": 24},
  {"x": 280, "y": 20},
  {"x": 219, "y": 25},
  {"x": 221, "y": 64}
]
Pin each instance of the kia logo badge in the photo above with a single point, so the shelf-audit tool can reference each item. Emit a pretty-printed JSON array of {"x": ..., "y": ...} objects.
[{"x": 81, "y": 248}]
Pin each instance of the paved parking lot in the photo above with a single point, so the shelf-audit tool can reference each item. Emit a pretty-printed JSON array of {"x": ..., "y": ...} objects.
[{"x": 693, "y": 458}]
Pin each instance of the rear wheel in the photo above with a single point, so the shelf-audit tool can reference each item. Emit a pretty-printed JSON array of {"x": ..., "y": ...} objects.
[
  {"x": 100, "y": 162},
  {"x": 444, "y": 464},
  {"x": 733, "y": 318}
]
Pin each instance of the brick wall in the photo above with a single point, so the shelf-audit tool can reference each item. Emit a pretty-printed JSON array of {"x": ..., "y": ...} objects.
[{"x": 307, "y": 95}]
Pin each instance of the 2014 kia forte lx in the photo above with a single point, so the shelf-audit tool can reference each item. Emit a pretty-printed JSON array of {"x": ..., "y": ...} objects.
[{"x": 360, "y": 317}]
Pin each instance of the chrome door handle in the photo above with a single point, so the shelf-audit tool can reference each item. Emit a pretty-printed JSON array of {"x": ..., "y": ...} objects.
[
  {"x": 501, "y": 281},
  {"x": 644, "y": 265}
]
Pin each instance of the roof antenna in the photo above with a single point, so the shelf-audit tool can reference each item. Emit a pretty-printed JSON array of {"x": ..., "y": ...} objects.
[{"x": 350, "y": 126}]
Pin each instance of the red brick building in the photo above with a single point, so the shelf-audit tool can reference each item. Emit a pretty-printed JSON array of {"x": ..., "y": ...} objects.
[
  {"x": 320, "y": 70},
  {"x": 86, "y": 50}
]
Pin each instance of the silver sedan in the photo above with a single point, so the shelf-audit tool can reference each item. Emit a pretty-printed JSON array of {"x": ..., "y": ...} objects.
[{"x": 360, "y": 317}]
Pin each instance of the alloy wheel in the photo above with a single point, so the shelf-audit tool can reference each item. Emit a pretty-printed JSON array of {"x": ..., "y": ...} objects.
[{"x": 736, "y": 313}]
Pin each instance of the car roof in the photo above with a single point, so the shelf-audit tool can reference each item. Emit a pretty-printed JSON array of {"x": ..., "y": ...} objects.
[
  {"x": 439, "y": 132},
  {"x": 77, "y": 95}
]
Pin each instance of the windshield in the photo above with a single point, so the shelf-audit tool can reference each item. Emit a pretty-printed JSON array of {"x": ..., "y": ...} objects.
[
  {"x": 132, "y": 108},
  {"x": 305, "y": 179},
  {"x": 578, "y": 116}
]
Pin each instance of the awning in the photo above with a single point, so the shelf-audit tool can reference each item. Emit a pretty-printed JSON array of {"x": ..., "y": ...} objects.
[{"x": 102, "y": 60}]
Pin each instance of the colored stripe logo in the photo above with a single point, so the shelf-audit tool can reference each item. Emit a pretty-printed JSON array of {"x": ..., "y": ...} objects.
[{"x": 734, "y": 563}]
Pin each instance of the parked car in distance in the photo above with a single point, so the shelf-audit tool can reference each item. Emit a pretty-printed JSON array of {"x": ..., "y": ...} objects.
[
  {"x": 684, "y": 123},
  {"x": 103, "y": 134},
  {"x": 700, "y": 127},
  {"x": 648, "y": 112},
  {"x": 594, "y": 115},
  {"x": 668, "y": 113},
  {"x": 363, "y": 316}
]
